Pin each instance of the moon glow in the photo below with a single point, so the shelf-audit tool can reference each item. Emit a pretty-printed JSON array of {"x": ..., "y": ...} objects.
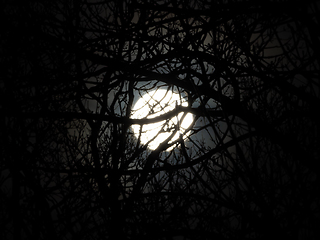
[{"x": 156, "y": 103}]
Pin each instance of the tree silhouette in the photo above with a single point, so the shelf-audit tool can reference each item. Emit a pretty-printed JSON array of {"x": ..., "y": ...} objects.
[{"x": 247, "y": 166}]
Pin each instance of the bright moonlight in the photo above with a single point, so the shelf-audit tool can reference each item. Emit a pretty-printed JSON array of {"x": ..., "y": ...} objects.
[{"x": 156, "y": 103}]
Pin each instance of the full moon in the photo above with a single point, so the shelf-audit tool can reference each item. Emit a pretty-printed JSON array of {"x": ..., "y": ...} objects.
[{"x": 156, "y": 103}]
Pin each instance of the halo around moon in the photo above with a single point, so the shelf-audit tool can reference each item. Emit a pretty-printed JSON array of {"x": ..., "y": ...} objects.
[{"x": 156, "y": 103}]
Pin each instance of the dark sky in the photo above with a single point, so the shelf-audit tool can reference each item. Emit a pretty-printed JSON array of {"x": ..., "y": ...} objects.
[{"x": 71, "y": 168}]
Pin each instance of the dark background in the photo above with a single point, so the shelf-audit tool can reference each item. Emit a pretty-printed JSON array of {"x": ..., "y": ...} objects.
[{"x": 71, "y": 167}]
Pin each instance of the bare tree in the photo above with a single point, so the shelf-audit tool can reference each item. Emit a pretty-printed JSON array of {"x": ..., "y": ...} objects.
[{"x": 79, "y": 162}]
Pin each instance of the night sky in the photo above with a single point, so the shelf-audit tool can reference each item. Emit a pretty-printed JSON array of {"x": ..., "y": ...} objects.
[{"x": 75, "y": 164}]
